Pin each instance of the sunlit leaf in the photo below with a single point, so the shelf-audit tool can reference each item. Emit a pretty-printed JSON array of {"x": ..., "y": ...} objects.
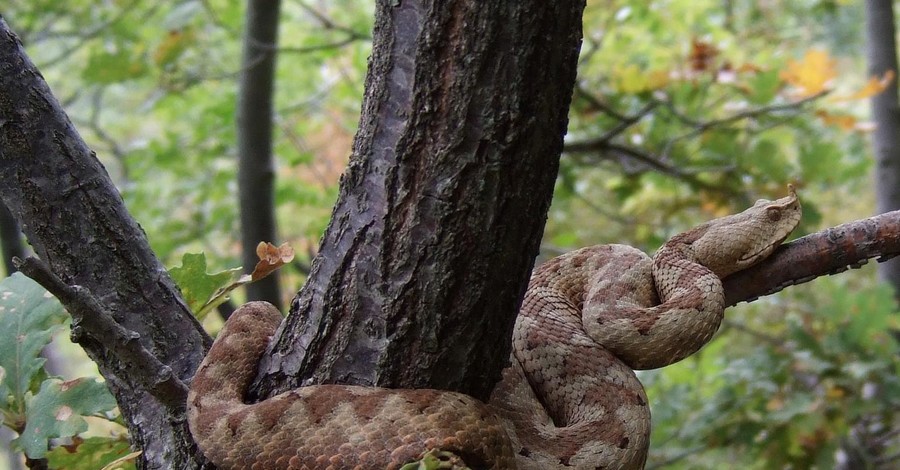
[
  {"x": 812, "y": 74},
  {"x": 175, "y": 43},
  {"x": 197, "y": 286},
  {"x": 873, "y": 86},
  {"x": 632, "y": 79},
  {"x": 92, "y": 453},
  {"x": 57, "y": 410},
  {"x": 843, "y": 121}
]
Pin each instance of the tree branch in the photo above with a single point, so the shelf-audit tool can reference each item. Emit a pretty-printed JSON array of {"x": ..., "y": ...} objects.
[
  {"x": 830, "y": 251},
  {"x": 76, "y": 220},
  {"x": 90, "y": 318}
]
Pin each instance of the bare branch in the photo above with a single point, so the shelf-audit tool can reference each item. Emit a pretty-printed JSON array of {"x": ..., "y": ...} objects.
[
  {"x": 90, "y": 318},
  {"x": 603, "y": 149},
  {"x": 830, "y": 251}
]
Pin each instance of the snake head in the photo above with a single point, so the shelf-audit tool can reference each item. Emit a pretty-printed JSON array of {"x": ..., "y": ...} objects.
[{"x": 730, "y": 244}]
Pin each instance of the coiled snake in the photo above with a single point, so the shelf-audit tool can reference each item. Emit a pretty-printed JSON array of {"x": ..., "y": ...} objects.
[{"x": 569, "y": 400}]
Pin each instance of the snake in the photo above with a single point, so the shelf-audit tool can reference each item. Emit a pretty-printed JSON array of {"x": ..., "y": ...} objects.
[{"x": 569, "y": 398}]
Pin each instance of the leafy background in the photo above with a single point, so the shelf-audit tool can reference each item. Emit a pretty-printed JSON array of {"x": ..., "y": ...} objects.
[{"x": 684, "y": 110}]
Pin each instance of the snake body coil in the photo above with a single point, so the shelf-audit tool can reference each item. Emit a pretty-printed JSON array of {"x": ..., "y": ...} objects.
[{"x": 569, "y": 399}]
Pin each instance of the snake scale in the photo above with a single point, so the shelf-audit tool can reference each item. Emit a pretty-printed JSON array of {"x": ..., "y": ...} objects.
[{"x": 569, "y": 400}]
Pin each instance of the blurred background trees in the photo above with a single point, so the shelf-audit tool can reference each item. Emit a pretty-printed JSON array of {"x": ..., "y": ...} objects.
[{"x": 683, "y": 110}]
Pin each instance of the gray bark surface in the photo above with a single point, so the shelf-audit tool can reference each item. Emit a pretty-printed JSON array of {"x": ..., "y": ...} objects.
[
  {"x": 77, "y": 223},
  {"x": 882, "y": 55},
  {"x": 441, "y": 211},
  {"x": 11, "y": 241}
]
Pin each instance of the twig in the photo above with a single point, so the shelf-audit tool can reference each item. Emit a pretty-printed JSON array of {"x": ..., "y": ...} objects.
[
  {"x": 607, "y": 150},
  {"x": 700, "y": 127},
  {"x": 596, "y": 103},
  {"x": 90, "y": 318},
  {"x": 328, "y": 23}
]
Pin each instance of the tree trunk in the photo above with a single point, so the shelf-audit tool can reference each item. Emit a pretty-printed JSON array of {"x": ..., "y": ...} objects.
[
  {"x": 256, "y": 168},
  {"x": 10, "y": 240},
  {"x": 77, "y": 223},
  {"x": 882, "y": 53},
  {"x": 440, "y": 213}
]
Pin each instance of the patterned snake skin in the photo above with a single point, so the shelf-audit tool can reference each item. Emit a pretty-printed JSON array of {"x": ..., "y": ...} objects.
[{"x": 569, "y": 400}]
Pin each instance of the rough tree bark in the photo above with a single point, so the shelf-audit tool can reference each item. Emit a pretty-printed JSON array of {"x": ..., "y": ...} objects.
[
  {"x": 10, "y": 240},
  {"x": 77, "y": 223},
  {"x": 256, "y": 168},
  {"x": 882, "y": 54},
  {"x": 441, "y": 211}
]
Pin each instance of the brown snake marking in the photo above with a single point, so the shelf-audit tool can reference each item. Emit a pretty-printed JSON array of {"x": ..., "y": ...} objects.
[{"x": 569, "y": 400}]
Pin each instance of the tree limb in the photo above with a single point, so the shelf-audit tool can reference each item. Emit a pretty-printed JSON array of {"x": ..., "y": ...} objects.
[
  {"x": 90, "y": 318},
  {"x": 75, "y": 219},
  {"x": 830, "y": 251}
]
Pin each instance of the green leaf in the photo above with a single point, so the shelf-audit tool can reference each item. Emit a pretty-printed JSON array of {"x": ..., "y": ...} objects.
[
  {"x": 764, "y": 87},
  {"x": 196, "y": 284},
  {"x": 114, "y": 67},
  {"x": 57, "y": 410},
  {"x": 29, "y": 316},
  {"x": 765, "y": 158},
  {"x": 820, "y": 161},
  {"x": 90, "y": 454}
]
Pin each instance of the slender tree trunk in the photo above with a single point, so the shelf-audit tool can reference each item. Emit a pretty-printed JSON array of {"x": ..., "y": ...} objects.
[
  {"x": 882, "y": 53},
  {"x": 77, "y": 224},
  {"x": 440, "y": 213},
  {"x": 256, "y": 168}
]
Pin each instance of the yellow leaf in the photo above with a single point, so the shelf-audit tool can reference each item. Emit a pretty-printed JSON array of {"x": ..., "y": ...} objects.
[
  {"x": 843, "y": 121},
  {"x": 835, "y": 393},
  {"x": 873, "y": 87},
  {"x": 811, "y": 74},
  {"x": 774, "y": 404},
  {"x": 632, "y": 80},
  {"x": 171, "y": 48}
]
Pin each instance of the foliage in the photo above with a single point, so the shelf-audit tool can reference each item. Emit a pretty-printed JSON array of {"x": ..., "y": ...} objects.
[
  {"x": 436, "y": 460},
  {"x": 684, "y": 110},
  {"x": 701, "y": 117},
  {"x": 197, "y": 286},
  {"x": 36, "y": 406},
  {"x": 92, "y": 453},
  {"x": 204, "y": 291},
  {"x": 810, "y": 370}
]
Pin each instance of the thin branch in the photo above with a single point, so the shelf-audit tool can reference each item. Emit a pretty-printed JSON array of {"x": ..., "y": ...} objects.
[
  {"x": 608, "y": 150},
  {"x": 269, "y": 47},
  {"x": 90, "y": 318},
  {"x": 85, "y": 36},
  {"x": 328, "y": 23},
  {"x": 764, "y": 337},
  {"x": 700, "y": 127},
  {"x": 597, "y": 104},
  {"x": 830, "y": 251},
  {"x": 629, "y": 121}
]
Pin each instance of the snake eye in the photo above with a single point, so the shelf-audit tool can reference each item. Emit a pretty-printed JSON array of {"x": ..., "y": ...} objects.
[{"x": 774, "y": 214}]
